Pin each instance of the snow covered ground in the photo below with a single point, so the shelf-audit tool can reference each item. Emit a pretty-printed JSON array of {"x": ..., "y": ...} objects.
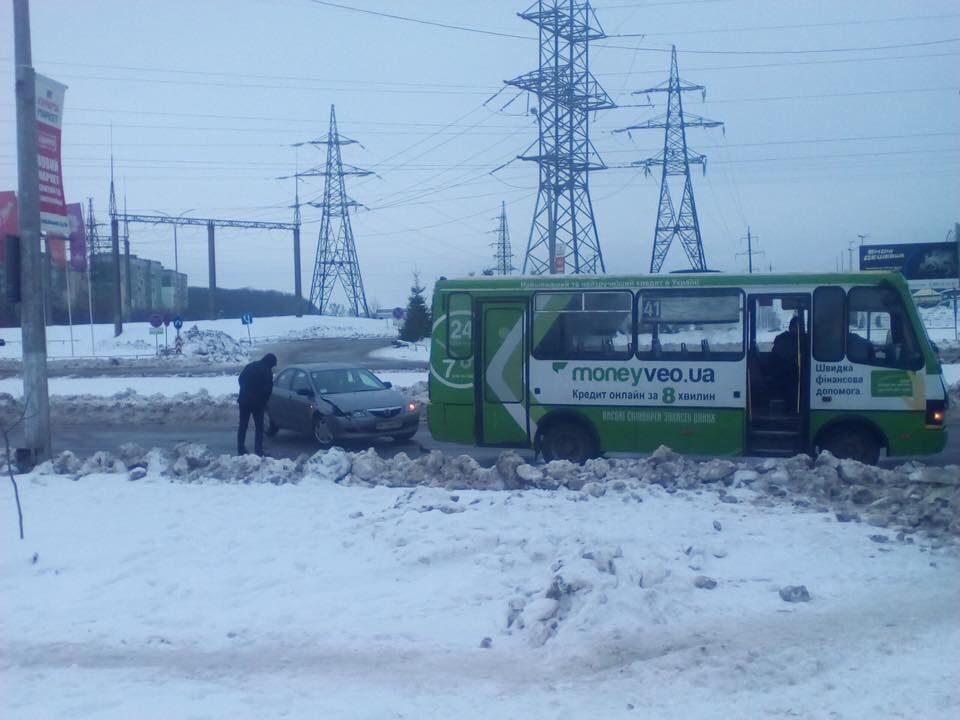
[
  {"x": 203, "y": 587},
  {"x": 136, "y": 339}
]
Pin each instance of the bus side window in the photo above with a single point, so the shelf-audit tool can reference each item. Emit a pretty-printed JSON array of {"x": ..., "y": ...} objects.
[
  {"x": 588, "y": 325},
  {"x": 693, "y": 325},
  {"x": 828, "y": 330},
  {"x": 459, "y": 326},
  {"x": 879, "y": 332}
]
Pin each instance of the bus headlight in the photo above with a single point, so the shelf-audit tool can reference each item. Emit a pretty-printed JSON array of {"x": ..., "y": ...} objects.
[{"x": 936, "y": 412}]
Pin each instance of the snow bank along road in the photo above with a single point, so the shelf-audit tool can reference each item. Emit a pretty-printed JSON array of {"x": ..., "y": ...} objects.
[{"x": 184, "y": 584}]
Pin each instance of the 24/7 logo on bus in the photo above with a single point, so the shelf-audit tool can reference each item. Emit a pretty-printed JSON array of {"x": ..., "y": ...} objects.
[{"x": 634, "y": 375}]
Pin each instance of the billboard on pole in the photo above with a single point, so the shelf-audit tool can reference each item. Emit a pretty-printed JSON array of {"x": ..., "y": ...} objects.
[
  {"x": 922, "y": 264},
  {"x": 53, "y": 207}
]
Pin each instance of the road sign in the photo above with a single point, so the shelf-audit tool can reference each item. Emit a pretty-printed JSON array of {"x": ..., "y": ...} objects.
[
  {"x": 178, "y": 344},
  {"x": 398, "y": 313},
  {"x": 166, "y": 319},
  {"x": 246, "y": 319},
  {"x": 156, "y": 321},
  {"x": 156, "y": 330},
  {"x": 178, "y": 322}
]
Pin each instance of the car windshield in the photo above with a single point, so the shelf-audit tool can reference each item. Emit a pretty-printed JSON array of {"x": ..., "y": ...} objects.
[{"x": 345, "y": 380}]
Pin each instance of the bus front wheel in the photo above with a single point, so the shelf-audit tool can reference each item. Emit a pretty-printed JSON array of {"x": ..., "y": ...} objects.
[
  {"x": 565, "y": 440},
  {"x": 853, "y": 443}
]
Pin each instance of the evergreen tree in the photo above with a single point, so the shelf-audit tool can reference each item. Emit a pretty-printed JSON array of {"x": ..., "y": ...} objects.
[{"x": 416, "y": 325}]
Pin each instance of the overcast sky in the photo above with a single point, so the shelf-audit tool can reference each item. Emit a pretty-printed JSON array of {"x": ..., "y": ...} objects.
[{"x": 841, "y": 118}]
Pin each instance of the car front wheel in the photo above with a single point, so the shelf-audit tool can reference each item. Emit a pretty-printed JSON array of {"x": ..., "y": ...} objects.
[
  {"x": 321, "y": 432},
  {"x": 270, "y": 427}
]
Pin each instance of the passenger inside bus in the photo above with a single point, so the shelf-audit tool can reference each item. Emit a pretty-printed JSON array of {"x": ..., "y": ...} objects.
[{"x": 784, "y": 368}]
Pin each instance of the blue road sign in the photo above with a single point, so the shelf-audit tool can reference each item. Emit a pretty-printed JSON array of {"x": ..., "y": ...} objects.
[
  {"x": 178, "y": 322},
  {"x": 246, "y": 319}
]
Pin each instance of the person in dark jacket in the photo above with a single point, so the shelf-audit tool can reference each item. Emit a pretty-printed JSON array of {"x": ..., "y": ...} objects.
[{"x": 256, "y": 385}]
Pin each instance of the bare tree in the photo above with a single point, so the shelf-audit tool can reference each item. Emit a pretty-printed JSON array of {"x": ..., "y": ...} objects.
[{"x": 6, "y": 429}]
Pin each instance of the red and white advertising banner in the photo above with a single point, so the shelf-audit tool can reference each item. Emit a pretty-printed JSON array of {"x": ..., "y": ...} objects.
[
  {"x": 9, "y": 220},
  {"x": 53, "y": 207},
  {"x": 78, "y": 237},
  {"x": 56, "y": 250}
]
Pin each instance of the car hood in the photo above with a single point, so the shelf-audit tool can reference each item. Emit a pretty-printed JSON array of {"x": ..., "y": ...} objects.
[{"x": 365, "y": 400}]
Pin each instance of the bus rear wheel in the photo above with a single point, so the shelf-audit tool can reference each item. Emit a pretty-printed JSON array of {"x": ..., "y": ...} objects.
[
  {"x": 853, "y": 443},
  {"x": 565, "y": 440}
]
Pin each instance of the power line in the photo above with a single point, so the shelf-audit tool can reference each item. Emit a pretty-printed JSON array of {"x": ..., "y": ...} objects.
[
  {"x": 802, "y": 26},
  {"x": 419, "y": 21},
  {"x": 811, "y": 51}
]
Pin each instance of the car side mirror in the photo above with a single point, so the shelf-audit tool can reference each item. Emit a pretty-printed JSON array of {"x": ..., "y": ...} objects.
[
  {"x": 387, "y": 383},
  {"x": 306, "y": 392}
]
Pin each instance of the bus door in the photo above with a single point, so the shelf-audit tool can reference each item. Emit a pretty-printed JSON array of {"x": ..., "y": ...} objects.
[
  {"x": 778, "y": 373},
  {"x": 502, "y": 390}
]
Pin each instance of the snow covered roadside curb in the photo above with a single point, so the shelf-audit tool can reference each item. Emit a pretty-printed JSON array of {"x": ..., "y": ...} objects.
[{"x": 912, "y": 498}]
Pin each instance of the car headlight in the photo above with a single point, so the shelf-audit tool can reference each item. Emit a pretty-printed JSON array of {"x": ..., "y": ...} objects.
[{"x": 411, "y": 406}]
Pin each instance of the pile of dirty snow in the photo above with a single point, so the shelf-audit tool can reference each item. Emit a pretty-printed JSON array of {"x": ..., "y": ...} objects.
[
  {"x": 214, "y": 345},
  {"x": 912, "y": 498}
]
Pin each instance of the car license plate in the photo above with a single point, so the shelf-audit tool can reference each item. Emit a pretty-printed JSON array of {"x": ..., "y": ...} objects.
[{"x": 391, "y": 425}]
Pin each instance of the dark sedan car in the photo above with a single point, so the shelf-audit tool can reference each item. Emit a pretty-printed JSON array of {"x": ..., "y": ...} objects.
[{"x": 337, "y": 402}]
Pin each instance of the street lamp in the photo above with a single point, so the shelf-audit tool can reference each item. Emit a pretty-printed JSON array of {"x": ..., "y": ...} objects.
[{"x": 176, "y": 249}]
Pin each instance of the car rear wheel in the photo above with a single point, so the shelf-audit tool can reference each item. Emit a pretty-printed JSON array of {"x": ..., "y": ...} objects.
[
  {"x": 270, "y": 427},
  {"x": 321, "y": 432},
  {"x": 853, "y": 443},
  {"x": 565, "y": 440}
]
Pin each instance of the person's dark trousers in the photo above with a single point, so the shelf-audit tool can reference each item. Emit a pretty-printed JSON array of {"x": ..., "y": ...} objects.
[{"x": 245, "y": 412}]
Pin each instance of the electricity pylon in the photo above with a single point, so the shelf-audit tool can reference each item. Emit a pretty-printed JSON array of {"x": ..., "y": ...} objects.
[
  {"x": 675, "y": 159},
  {"x": 563, "y": 235},
  {"x": 502, "y": 252},
  {"x": 336, "y": 252}
]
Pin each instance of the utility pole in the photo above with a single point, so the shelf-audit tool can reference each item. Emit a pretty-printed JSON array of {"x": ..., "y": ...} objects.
[
  {"x": 563, "y": 235},
  {"x": 675, "y": 159},
  {"x": 297, "y": 271},
  {"x": 33, "y": 332},
  {"x": 115, "y": 252},
  {"x": 850, "y": 255},
  {"x": 750, "y": 251}
]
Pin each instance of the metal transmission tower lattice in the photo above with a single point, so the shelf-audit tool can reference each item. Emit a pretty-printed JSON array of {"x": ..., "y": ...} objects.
[
  {"x": 336, "y": 252},
  {"x": 563, "y": 235},
  {"x": 502, "y": 252},
  {"x": 675, "y": 160}
]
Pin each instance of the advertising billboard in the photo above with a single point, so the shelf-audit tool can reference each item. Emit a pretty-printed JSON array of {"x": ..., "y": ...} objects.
[
  {"x": 53, "y": 208},
  {"x": 922, "y": 264}
]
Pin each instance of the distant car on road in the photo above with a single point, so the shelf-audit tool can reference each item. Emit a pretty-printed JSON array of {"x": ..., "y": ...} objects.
[{"x": 339, "y": 402}]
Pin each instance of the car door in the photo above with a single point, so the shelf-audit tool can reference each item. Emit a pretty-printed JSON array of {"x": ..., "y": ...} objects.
[
  {"x": 278, "y": 406},
  {"x": 302, "y": 402}
]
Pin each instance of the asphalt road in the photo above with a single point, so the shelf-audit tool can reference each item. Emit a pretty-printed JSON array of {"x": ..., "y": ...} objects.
[{"x": 336, "y": 350}]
